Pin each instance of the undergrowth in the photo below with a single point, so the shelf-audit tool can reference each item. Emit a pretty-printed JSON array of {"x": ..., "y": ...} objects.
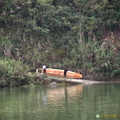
[{"x": 12, "y": 72}]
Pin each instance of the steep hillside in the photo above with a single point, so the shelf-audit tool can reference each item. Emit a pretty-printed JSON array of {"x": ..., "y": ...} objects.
[{"x": 68, "y": 34}]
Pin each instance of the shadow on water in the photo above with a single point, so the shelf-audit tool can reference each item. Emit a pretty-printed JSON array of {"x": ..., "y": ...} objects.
[{"x": 78, "y": 102}]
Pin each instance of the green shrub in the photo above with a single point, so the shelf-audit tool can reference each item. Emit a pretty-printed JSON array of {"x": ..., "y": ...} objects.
[{"x": 11, "y": 72}]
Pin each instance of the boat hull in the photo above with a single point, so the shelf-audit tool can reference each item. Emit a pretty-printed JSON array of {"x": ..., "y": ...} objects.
[{"x": 60, "y": 73}]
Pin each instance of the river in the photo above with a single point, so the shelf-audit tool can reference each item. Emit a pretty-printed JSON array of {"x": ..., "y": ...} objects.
[{"x": 77, "y": 102}]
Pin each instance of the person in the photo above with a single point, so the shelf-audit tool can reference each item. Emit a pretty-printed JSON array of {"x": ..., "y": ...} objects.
[{"x": 44, "y": 69}]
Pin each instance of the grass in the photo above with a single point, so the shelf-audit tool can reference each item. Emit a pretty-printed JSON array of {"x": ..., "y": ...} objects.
[{"x": 100, "y": 58}]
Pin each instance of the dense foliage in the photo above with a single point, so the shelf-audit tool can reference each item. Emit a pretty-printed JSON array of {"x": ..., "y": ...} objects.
[{"x": 73, "y": 34}]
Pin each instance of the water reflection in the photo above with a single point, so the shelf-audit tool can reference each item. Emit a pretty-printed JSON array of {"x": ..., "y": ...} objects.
[
  {"x": 63, "y": 92},
  {"x": 62, "y": 103}
]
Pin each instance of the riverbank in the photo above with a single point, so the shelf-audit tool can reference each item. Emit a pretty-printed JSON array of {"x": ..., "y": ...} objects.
[
  {"x": 15, "y": 73},
  {"x": 30, "y": 78}
]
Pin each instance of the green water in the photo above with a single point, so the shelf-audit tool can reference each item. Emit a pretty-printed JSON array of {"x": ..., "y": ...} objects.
[{"x": 79, "y": 102}]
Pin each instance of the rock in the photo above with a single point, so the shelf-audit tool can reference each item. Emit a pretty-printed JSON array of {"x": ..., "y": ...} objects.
[{"x": 53, "y": 84}]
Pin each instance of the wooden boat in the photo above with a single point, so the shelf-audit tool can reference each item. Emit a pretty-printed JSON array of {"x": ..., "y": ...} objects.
[{"x": 59, "y": 73}]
